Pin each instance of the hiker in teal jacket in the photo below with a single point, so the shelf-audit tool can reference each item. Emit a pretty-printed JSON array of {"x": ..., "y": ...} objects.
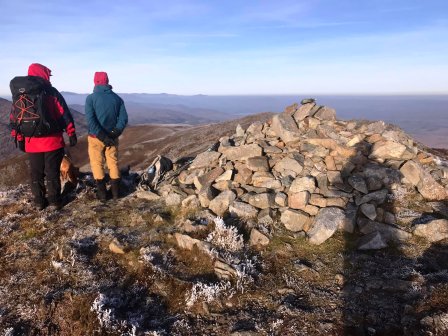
[{"x": 106, "y": 117}]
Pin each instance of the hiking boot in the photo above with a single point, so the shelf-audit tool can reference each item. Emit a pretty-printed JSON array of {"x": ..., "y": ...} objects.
[
  {"x": 115, "y": 188},
  {"x": 40, "y": 205},
  {"x": 55, "y": 206},
  {"x": 101, "y": 192}
]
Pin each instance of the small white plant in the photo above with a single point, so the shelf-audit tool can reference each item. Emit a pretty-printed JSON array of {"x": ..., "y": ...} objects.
[
  {"x": 8, "y": 332},
  {"x": 105, "y": 316},
  {"x": 206, "y": 292},
  {"x": 275, "y": 325},
  {"x": 225, "y": 237}
]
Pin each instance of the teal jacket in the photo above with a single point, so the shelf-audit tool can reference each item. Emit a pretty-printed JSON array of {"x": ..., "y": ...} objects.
[{"x": 105, "y": 111}]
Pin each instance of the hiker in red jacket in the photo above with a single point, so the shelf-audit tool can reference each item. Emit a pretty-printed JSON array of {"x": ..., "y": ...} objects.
[{"x": 45, "y": 152}]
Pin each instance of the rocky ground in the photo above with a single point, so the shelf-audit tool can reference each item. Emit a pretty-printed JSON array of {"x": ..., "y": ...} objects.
[{"x": 302, "y": 225}]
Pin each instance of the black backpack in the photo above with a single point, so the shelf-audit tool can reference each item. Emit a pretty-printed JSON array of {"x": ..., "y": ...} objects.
[
  {"x": 155, "y": 173},
  {"x": 28, "y": 115}
]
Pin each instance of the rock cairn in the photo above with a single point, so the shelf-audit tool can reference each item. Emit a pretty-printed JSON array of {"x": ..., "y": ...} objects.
[{"x": 316, "y": 175}]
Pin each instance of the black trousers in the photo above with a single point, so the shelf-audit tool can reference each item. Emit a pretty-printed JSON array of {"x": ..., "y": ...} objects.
[{"x": 46, "y": 166}]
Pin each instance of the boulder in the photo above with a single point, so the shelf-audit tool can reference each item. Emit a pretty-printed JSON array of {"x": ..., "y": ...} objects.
[
  {"x": 186, "y": 242},
  {"x": 206, "y": 194},
  {"x": 389, "y": 232},
  {"x": 372, "y": 241},
  {"x": 288, "y": 164},
  {"x": 281, "y": 199},
  {"x": 265, "y": 217},
  {"x": 325, "y": 113},
  {"x": 306, "y": 183},
  {"x": 303, "y": 111},
  {"x": 257, "y": 238},
  {"x": 295, "y": 220},
  {"x": 389, "y": 150},
  {"x": 191, "y": 202},
  {"x": 376, "y": 197},
  {"x": 258, "y": 163},
  {"x": 369, "y": 211},
  {"x": 243, "y": 175},
  {"x": 430, "y": 189},
  {"x": 325, "y": 224},
  {"x": 174, "y": 199},
  {"x": 226, "y": 176},
  {"x": 358, "y": 183},
  {"x": 241, "y": 153},
  {"x": 242, "y": 210},
  {"x": 298, "y": 200},
  {"x": 220, "y": 204},
  {"x": 205, "y": 160},
  {"x": 262, "y": 200},
  {"x": 147, "y": 195},
  {"x": 427, "y": 186},
  {"x": 207, "y": 178},
  {"x": 224, "y": 271},
  {"x": 239, "y": 132},
  {"x": 433, "y": 231},
  {"x": 262, "y": 179},
  {"x": 284, "y": 126},
  {"x": 412, "y": 171}
]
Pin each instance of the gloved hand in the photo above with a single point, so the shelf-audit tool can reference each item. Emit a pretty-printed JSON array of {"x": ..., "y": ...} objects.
[
  {"x": 108, "y": 142},
  {"x": 21, "y": 145},
  {"x": 115, "y": 133},
  {"x": 73, "y": 140},
  {"x": 105, "y": 139}
]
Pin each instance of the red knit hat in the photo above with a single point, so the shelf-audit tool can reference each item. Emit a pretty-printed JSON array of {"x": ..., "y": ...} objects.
[{"x": 101, "y": 78}]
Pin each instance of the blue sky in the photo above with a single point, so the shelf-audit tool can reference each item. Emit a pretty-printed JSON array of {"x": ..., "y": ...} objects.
[{"x": 231, "y": 46}]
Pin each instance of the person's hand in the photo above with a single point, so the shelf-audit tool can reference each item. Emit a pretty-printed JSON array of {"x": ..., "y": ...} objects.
[
  {"x": 105, "y": 139},
  {"x": 115, "y": 133},
  {"x": 21, "y": 145},
  {"x": 73, "y": 140},
  {"x": 108, "y": 142}
]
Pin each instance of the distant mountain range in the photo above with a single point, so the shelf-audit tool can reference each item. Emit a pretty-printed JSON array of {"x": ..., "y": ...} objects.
[{"x": 423, "y": 116}]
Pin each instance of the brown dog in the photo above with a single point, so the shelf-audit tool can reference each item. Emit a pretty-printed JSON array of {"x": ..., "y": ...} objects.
[{"x": 68, "y": 171}]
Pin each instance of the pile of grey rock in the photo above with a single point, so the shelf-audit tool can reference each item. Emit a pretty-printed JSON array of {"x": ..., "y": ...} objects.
[{"x": 315, "y": 175}]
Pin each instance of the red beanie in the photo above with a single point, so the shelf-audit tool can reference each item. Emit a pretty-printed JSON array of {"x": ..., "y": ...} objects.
[{"x": 101, "y": 78}]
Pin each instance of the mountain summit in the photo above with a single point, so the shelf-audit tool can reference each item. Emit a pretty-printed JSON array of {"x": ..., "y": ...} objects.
[{"x": 300, "y": 225}]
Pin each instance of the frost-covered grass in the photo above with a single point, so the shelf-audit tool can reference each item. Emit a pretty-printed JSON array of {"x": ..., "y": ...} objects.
[
  {"x": 227, "y": 246},
  {"x": 208, "y": 292},
  {"x": 225, "y": 237},
  {"x": 104, "y": 308}
]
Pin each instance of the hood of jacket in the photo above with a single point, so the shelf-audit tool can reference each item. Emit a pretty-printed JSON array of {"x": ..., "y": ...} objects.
[
  {"x": 102, "y": 89},
  {"x": 39, "y": 70}
]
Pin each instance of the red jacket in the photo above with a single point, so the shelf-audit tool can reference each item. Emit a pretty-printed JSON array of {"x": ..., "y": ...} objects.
[{"x": 57, "y": 109}]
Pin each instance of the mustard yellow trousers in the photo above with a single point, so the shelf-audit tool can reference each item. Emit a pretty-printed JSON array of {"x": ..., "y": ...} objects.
[{"x": 98, "y": 153}]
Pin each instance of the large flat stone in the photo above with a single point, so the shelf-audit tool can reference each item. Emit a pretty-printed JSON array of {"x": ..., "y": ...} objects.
[
  {"x": 284, "y": 126},
  {"x": 325, "y": 225}
]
